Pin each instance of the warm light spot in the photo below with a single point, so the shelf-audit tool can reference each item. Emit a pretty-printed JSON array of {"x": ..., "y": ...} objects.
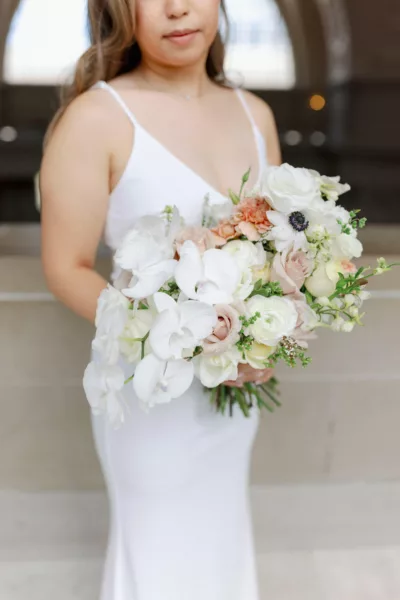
[{"x": 317, "y": 102}]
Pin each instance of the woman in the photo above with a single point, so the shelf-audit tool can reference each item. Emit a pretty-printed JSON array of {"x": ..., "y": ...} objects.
[{"x": 164, "y": 129}]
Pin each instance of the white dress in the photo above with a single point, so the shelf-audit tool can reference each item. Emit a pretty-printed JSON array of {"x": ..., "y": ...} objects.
[{"x": 177, "y": 478}]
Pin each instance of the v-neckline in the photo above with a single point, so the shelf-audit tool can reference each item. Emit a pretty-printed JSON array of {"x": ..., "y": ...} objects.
[{"x": 184, "y": 165}]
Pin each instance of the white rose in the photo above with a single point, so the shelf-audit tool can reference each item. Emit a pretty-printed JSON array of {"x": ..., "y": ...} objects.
[
  {"x": 347, "y": 245},
  {"x": 136, "y": 328},
  {"x": 323, "y": 280},
  {"x": 278, "y": 318},
  {"x": 290, "y": 189},
  {"x": 214, "y": 369},
  {"x": 258, "y": 355}
]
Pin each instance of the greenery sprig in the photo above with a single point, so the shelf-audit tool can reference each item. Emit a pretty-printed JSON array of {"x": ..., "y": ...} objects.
[
  {"x": 290, "y": 352},
  {"x": 246, "y": 341},
  {"x": 273, "y": 288},
  {"x": 354, "y": 223}
]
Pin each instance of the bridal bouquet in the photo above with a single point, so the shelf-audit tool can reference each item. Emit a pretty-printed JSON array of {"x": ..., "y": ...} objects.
[{"x": 246, "y": 289}]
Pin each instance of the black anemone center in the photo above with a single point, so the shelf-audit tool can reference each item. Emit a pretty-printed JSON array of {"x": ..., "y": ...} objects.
[{"x": 298, "y": 221}]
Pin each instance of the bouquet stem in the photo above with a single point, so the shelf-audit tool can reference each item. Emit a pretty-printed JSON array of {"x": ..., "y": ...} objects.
[{"x": 263, "y": 396}]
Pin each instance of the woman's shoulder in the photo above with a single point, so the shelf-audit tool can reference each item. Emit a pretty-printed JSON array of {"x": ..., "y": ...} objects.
[
  {"x": 261, "y": 111},
  {"x": 265, "y": 121}
]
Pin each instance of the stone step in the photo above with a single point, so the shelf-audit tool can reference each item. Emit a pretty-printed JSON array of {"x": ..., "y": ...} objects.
[{"x": 297, "y": 518}]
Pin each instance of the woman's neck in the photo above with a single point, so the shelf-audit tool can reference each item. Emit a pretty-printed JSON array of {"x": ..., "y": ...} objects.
[{"x": 191, "y": 81}]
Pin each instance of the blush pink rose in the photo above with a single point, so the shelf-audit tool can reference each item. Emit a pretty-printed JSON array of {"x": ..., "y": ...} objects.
[
  {"x": 291, "y": 270},
  {"x": 226, "y": 332},
  {"x": 306, "y": 322},
  {"x": 202, "y": 237}
]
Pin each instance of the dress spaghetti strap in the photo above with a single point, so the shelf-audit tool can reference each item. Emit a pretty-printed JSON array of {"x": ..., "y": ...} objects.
[
  {"x": 105, "y": 86},
  {"x": 259, "y": 138}
]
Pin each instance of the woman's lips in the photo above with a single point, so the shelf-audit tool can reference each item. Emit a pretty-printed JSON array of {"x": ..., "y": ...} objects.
[{"x": 182, "y": 38}]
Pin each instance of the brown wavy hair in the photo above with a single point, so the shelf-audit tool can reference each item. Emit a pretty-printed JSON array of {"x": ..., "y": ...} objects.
[{"x": 114, "y": 51}]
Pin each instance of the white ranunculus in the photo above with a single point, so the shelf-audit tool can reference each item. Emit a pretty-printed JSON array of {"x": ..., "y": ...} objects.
[
  {"x": 180, "y": 326},
  {"x": 137, "y": 327},
  {"x": 347, "y": 246},
  {"x": 248, "y": 257},
  {"x": 211, "y": 277},
  {"x": 158, "y": 382},
  {"x": 246, "y": 254},
  {"x": 148, "y": 255},
  {"x": 214, "y": 369},
  {"x": 103, "y": 386},
  {"x": 278, "y": 318},
  {"x": 258, "y": 355},
  {"x": 289, "y": 189},
  {"x": 323, "y": 280}
]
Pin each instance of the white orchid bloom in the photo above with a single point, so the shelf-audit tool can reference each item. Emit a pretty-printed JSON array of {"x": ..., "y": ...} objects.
[
  {"x": 211, "y": 277},
  {"x": 180, "y": 326},
  {"x": 148, "y": 255},
  {"x": 158, "y": 382},
  {"x": 111, "y": 317},
  {"x": 103, "y": 386}
]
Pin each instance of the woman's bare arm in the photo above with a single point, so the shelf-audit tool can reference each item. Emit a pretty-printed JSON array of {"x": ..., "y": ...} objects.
[{"x": 74, "y": 181}]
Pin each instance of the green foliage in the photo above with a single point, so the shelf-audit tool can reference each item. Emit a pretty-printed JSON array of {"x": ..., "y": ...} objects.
[
  {"x": 272, "y": 288},
  {"x": 246, "y": 341}
]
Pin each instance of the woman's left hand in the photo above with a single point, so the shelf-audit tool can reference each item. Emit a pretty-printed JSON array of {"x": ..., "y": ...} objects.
[{"x": 249, "y": 375}]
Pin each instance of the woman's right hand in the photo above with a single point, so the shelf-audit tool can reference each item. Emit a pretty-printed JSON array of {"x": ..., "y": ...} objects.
[{"x": 249, "y": 375}]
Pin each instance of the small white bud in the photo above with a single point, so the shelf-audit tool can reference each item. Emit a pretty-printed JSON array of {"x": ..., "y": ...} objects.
[
  {"x": 348, "y": 326},
  {"x": 349, "y": 300},
  {"x": 337, "y": 324},
  {"x": 323, "y": 301},
  {"x": 364, "y": 295},
  {"x": 337, "y": 303},
  {"x": 353, "y": 311}
]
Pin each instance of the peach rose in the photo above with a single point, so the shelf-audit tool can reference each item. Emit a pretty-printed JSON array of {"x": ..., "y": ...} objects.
[
  {"x": 202, "y": 237},
  {"x": 291, "y": 270},
  {"x": 226, "y": 332}
]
